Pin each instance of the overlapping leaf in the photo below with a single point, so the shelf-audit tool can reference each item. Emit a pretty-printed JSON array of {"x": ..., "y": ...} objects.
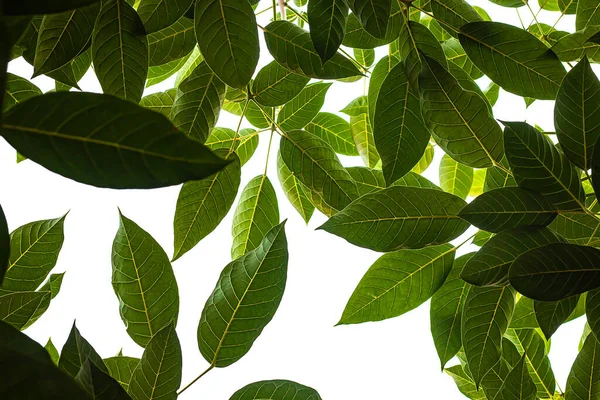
[
  {"x": 584, "y": 379},
  {"x": 357, "y": 37},
  {"x": 121, "y": 368},
  {"x": 294, "y": 191},
  {"x": 99, "y": 384},
  {"x": 275, "y": 86},
  {"x": 298, "y": 112},
  {"x": 171, "y": 43},
  {"x": 455, "y": 13},
  {"x": 334, "y": 130},
  {"x": 18, "y": 90},
  {"x": 455, "y": 178},
  {"x": 362, "y": 133},
  {"x": 159, "y": 14},
  {"x": 327, "y": 20},
  {"x": 550, "y": 315},
  {"x": 76, "y": 351},
  {"x": 373, "y": 15},
  {"x": 161, "y": 102}
]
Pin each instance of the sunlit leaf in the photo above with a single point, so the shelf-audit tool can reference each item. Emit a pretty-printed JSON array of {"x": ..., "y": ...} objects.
[
  {"x": 275, "y": 86},
  {"x": 276, "y": 390},
  {"x": 161, "y": 102},
  {"x": 121, "y": 368},
  {"x": 293, "y": 190},
  {"x": 298, "y": 112},
  {"x": 335, "y": 131},
  {"x": 455, "y": 178}
]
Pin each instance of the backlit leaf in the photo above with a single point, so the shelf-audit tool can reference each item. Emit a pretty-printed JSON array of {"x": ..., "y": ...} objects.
[
  {"x": 362, "y": 133},
  {"x": 550, "y": 315},
  {"x": 293, "y": 190},
  {"x": 161, "y": 102},
  {"x": 327, "y": 20},
  {"x": 584, "y": 379},
  {"x": 588, "y": 13},
  {"x": 335, "y": 131},
  {"x": 76, "y": 351},
  {"x": 171, "y": 43},
  {"x": 121, "y": 368},
  {"x": 159, "y": 14},
  {"x": 455, "y": 178},
  {"x": 378, "y": 75},
  {"x": 465, "y": 383},
  {"x": 455, "y": 13},
  {"x": 275, "y": 86},
  {"x": 357, "y": 37},
  {"x": 18, "y": 90},
  {"x": 299, "y": 111},
  {"x": 276, "y": 390},
  {"x": 373, "y": 15}
]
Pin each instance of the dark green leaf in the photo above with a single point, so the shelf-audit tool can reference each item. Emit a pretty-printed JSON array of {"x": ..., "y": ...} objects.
[
  {"x": 518, "y": 384},
  {"x": 556, "y": 271},
  {"x": 276, "y": 390},
  {"x": 537, "y": 165},
  {"x": 293, "y": 190},
  {"x": 99, "y": 384},
  {"x": 418, "y": 217},
  {"x": 76, "y": 351},
  {"x": 159, "y": 14},
  {"x": 455, "y": 178},
  {"x": 244, "y": 300},
  {"x": 578, "y": 45},
  {"x": 513, "y": 58},
  {"x": 455, "y": 13},
  {"x": 37, "y": 7},
  {"x": 275, "y": 86},
  {"x": 378, "y": 75},
  {"x": 588, "y": 14},
  {"x": 327, "y": 20},
  {"x": 413, "y": 179},
  {"x": 373, "y": 15},
  {"x": 551, "y": 315},
  {"x": 385, "y": 290},
  {"x": 125, "y": 153},
  {"x": 18, "y": 90},
  {"x": 144, "y": 283},
  {"x": 584, "y": 379},
  {"x": 299, "y": 111},
  {"x": 171, "y": 43},
  {"x": 121, "y": 368},
  {"x": 21, "y": 309},
  {"x": 335, "y": 131},
  {"x": 499, "y": 177},
  {"x": 357, "y": 37},
  {"x": 228, "y": 39}
]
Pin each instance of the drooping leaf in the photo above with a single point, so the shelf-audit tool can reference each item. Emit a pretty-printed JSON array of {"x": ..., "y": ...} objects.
[
  {"x": 357, "y": 37},
  {"x": 244, "y": 300},
  {"x": 584, "y": 379},
  {"x": 518, "y": 384},
  {"x": 161, "y": 102},
  {"x": 486, "y": 314},
  {"x": 202, "y": 205},
  {"x": 121, "y": 368},
  {"x": 256, "y": 214},
  {"x": 537, "y": 165},
  {"x": 385, "y": 290},
  {"x": 373, "y": 15},
  {"x": 335, "y": 131},
  {"x": 446, "y": 312},
  {"x": 300, "y": 111},
  {"x": 399, "y": 131},
  {"x": 556, "y": 271},
  {"x": 198, "y": 102},
  {"x": 18, "y": 90},
  {"x": 550, "y": 315},
  {"x": 228, "y": 39},
  {"x": 158, "y": 374},
  {"x": 99, "y": 384},
  {"x": 465, "y": 383},
  {"x": 513, "y": 58},
  {"x": 327, "y": 20},
  {"x": 455, "y": 178},
  {"x": 418, "y": 217},
  {"x": 576, "y": 115},
  {"x": 275, "y": 86},
  {"x": 76, "y": 351},
  {"x": 159, "y": 14},
  {"x": 378, "y": 76},
  {"x": 292, "y": 47},
  {"x": 120, "y": 51},
  {"x": 171, "y": 43},
  {"x": 362, "y": 133},
  {"x": 143, "y": 280},
  {"x": 136, "y": 148},
  {"x": 456, "y": 119},
  {"x": 276, "y": 390},
  {"x": 293, "y": 190}
]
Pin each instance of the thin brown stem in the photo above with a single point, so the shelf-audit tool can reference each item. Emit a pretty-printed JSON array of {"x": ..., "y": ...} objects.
[{"x": 237, "y": 131}]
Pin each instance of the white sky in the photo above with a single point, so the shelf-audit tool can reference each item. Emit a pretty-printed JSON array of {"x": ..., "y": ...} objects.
[{"x": 393, "y": 359}]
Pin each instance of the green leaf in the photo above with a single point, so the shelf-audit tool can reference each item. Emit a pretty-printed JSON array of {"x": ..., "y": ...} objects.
[
  {"x": 584, "y": 379},
  {"x": 293, "y": 190},
  {"x": 357, "y": 107},
  {"x": 412, "y": 179},
  {"x": 202, "y": 205},
  {"x": 37, "y": 7},
  {"x": 556, "y": 271},
  {"x": 378, "y": 75},
  {"x": 455, "y": 13},
  {"x": 244, "y": 300},
  {"x": 121, "y": 368},
  {"x": 190, "y": 64},
  {"x": 368, "y": 180},
  {"x": 76, "y": 351},
  {"x": 4, "y": 245},
  {"x": 63, "y": 36},
  {"x": 198, "y": 102},
  {"x": 592, "y": 311},
  {"x": 159, "y": 14},
  {"x": 21, "y": 309},
  {"x": 160, "y": 73},
  {"x": 524, "y": 315},
  {"x": 446, "y": 310},
  {"x": 292, "y": 47},
  {"x": 513, "y": 58},
  {"x": 171, "y": 43},
  {"x": 456, "y": 54},
  {"x": 34, "y": 249},
  {"x": 316, "y": 165},
  {"x": 588, "y": 14},
  {"x": 486, "y": 314},
  {"x": 455, "y": 118},
  {"x": 99, "y": 384},
  {"x": 18, "y": 90},
  {"x": 299, "y": 111},
  {"x": 577, "y": 116},
  {"x": 161, "y": 102},
  {"x": 518, "y": 384},
  {"x": 144, "y": 283},
  {"x": 425, "y": 160},
  {"x": 551, "y": 315},
  {"x": 481, "y": 238},
  {"x": 491, "y": 264},
  {"x": 275, "y": 86},
  {"x": 357, "y": 37},
  {"x": 120, "y": 51},
  {"x": 277, "y": 389},
  {"x": 365, "y": 57},
  {"x": 228, "y": 39},
  {"x": 158, "y": 374},
  {"x": 327, "y": 20},
  {"x": 245, "y": 144},
  {"x": 492, "y": 93},
  {"x": 506, "y": 208},
  {"x": 335, "y": 131},
  {"x": 362, "y": 133},
  {"x": 578, "y": 45},
  {"x": 464, "y": 383},
  {"x": 418, "y": 217},
  {"x": 537, "y": 165},
  {"x": 455, "y": 178},
  {"x": 52, "y": 352},
  {"x": 385, "y": 290},
  {"x": 478, "y": 182},
  {"x": 373, "y": 15},
  {"x": 399, "y": 131},
  {"x": 578, "y": 228},
  {"x": 123, "y": 154},
  {"x": 256, "y": 213}
]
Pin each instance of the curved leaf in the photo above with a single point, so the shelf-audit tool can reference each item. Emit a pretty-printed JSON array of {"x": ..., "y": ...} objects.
[
  {"x": 99, "y": 384},
  {"x": 455, "y": 13},
  {"x": 293, "y": 190},
  {"x": 524, "y": 315},
  {"x": 277, "y": 389},
  {"x": 76, "y": 351},
  {"x": 584, "y": 379},
  {"x": 246, "y": 141},
  {"x": 373, "y": 15},
  {"x": 362, "y": 133},
  {"x": 275, "y": 86},
  {"x": 18, "y": 90},
  {"x": 244, "y": 301},
  {"x": 385, "y": 290},
  {"x": 298, "y": 112},
  {"x": 465, "y": 383},
  {"x": 144, "y": 283},
  {"x": 378, "y": 75},
  {"x": 4, "y": 245},
  {"x": 528, "y": 67},
  {"x": 550, "y": 315},
  {"x": 455, "y": 178},
  {"x": 327, "y": 20},
  {"x": 417, "y": 217},
  {"x": 587, "y": 14},
  {"x": 357, "y": 37},
  {"x": 415, "y": 180},
  {"x": 159, "y": 14},
  {"x": 228, "y": 39},
  {"x": 171, "y": 43},
  {"x": 257, "y": 212},
  {"x": 356, "y": 107},
  {"x": 368, "y": 180},
  {"x": 335, "y": 131},
  {"x": 161, "y": 102},
  {"x": 160, "y": 73},
  {"x": 121, "y": 368}
]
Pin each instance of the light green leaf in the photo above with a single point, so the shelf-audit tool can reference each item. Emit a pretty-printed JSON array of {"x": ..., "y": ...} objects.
[
  {"x": 513, "y": 58},
  {"x": 551, "y": 315},
  {"x": 327, "y": 20},
  {"x": 357, "y": 107},
  {"x": 144, "y": 283},
  {"x": 76, "y": 351},
  {"x": 244, "y": 300},
  {"x": 456, "y": 54},
  {"x": 335, "y": 131},
  {"x": 18, "y": 90},
  {"x": 245, "y": 144},
  {"x": 21, "y": 309},
  {"x": 52, "y": 352},
  {"x": 160, "y": 73},
  {"x": 256, "y": 213},
  {"x": 486, "y": 314},
  {"x": 537, "y": 165},
  {"x": 159, "y": 14},
  {"x": 492, "y": 93},
  {"x": 275, "y": 86},
  {"x": 524, "y": 315},
  {"x": 464, "y": 383},
  {"x": 385, "y": 290},
  {"x": 198, "y": 102},
  {"x": 446, "y": 312},
  {"x": 378, "y": 75},
  {"x": 478, "y": 182},
  {"x": 584, "y": 379},
  {"x": 299, "y": 111},
  {"x": 455, "y": 178},
  {"x": 171, "y": 43},
  {"x": 276, "y": 390},
  {"x": 158, "y": 374},
  {"x": 161, "y": 102},
  {"x": 365, "y": 57},
  {"x": 481, "y": 238},
  {"x": 362, "y": 133},
  {"x": 120, "y": 51},
  {"x": 190, "y": 64},
  {"x": 518, "y": 385},
  {"x": 455, "y": 13},
  {"x": 588, "y": 14},
  {"x": 228, "y": 39},
  {"x": 418, "y": 217},
  {"x": 415, "y": 180},
  {"x": 121, "y": 368},
  {"x": 125, "y": 153},
  {"x": 293, "y": 190},
  {"x": 425, "y": 160},
  {"x": 491, "y": 264}
]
